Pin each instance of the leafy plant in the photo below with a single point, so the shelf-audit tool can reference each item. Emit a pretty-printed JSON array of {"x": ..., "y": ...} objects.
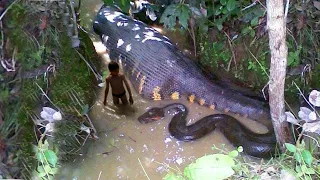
[
  {"x": 214, "y": 166},
  {"x": 124, "y": 5},
  {"x": 223, "y": 10},
  {"x": 303, "y": 157},
  {"x": 174, "y": 12},
  {"x": 294, "y": 57},
  {"x": 47, "y": 161}
]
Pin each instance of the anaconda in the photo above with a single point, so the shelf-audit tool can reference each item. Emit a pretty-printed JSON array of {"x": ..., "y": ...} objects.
[
  {"x": 158, "y": 70},
  {"x": 258, "y": 145}
]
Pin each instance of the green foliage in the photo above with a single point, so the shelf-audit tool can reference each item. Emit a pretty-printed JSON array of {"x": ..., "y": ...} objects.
[
  {"x": 222, "y": 11},
  {"x": 174, "y": 12},
  {"x": 248, "y": 30},
  {"x": 105, "y": 74},
  {"x": 215, "y": 166},
  {"x": 73, "y": 79},
  {"x": 4, "y": 94},
  {"x": 124, "y": 5},
  {"x": 172, "y": 176},
  {"x": 214, "y": 53},
  {"x": 66, "y": 138},
  {"x": 304, "y": 166},
  {"x": 47, "y": 161},
  {"x": 294, "y": 57}
]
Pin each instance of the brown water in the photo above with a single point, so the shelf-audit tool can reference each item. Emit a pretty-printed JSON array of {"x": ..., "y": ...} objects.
[{"x": 126, "y": 148}]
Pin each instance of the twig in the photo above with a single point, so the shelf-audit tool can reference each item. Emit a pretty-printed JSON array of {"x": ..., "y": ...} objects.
[
  {"x": 85, "y": 140},
  {"x": 2, "y": 15},
  {"x": 305, "y": 98},
  {"x": 143, "y": 169},
  {"x": 233, "y": 55},
  {"x": 74, "y": 19},
  {"x": 99, "y": 175},
  {"x": 286, "y": 9},
  {"x": 257, "y": 61},
  {"x": 261, "y": 4},
  {"x": 106, "y": 153},
  {"x": 251, "y": 5},
  {"x": 132, "y": 139},
  {"x": 93, "y": 128},
  {"x": 48, "y": 97},
  {"x": 260, "y": 165},
  {"x": 264, "y": 87},
  {"x": 98, "y": 76},
  {"x": 295, "y": 41},
  {"x": 313, "y": 139},
  {"x": 191, "y": 32},
  {"x": 167, "y": 166},
  {"x": 2, "y": 40}
]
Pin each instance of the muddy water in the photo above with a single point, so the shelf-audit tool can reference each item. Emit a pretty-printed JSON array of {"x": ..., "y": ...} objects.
[{"x": 130, "y": 150}]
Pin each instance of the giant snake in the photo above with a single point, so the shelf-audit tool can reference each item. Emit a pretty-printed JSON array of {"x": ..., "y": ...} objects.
[{"x": 158, "y": 71}]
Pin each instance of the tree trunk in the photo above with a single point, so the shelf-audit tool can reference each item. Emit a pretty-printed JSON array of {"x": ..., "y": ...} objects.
[{"x": 276, "y": 24}]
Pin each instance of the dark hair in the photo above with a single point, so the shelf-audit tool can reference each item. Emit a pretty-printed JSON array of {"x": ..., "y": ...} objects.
[{"x": 113, "y": 66}]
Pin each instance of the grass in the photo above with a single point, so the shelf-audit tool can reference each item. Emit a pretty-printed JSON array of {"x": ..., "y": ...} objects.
[{"x": 71, "y": 89}]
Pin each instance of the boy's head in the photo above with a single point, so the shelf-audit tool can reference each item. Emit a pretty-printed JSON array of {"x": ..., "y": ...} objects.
[{"x": 113, "y": 68}]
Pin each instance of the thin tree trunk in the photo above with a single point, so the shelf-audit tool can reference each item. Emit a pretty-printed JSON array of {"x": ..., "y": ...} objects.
[{"x": 276, "y": 24}]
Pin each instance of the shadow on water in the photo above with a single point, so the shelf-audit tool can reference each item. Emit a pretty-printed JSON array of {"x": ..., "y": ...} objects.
[{"x": 126, "y": 147}]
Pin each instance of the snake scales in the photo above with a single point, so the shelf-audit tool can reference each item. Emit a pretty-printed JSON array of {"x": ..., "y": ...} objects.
[{"x": 158, "y": 71}]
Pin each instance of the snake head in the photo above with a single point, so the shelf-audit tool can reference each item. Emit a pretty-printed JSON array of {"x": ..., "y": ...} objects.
[{"x": 153, "y": 114}]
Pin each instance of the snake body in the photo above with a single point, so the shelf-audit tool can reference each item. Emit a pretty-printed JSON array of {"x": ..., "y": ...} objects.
[
  {"x": 159, "y": 71},
  {"x": 254, "y": 144}
]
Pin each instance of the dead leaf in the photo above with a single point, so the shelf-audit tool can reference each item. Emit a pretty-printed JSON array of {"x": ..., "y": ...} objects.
[
  {"x": 316, "y": 4},
  {"x": 44, "y": 22},
  {"x": 313, "y": 127}
]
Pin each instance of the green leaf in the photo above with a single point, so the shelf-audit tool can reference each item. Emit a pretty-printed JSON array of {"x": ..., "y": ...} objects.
[
  {"x": 310, "y": 171},
  {"x": 108, "y": 2},
  {"x": 183, "y": 15},
  {"x": 168, "y": 18},
  {"x": 225, "y": 10},
  {"x": 172, "y": 176},
  {"x": 47, "y": 168},
  {"x": 246, "y": 30},
  {"x": 53, "y": 171},
  {"x": 300, "y": 174},
  {"x": 233, "y": 153},
  {"x": 254, "y": 21},
  {"x": 307, "y": 157},
  {"x": 112, "y": 142},
  {"x": 231, "y": 5},
  {"x": 298, "y": 169},
  {"x": 41, "y": 171},
  {"x": 51, "y": 157},
  {"x": 298, "y": 8},
  {"x": 42, "y": 174},
  {"x": 223, "y": 2},
  {"x": 298, "y": 157},
  {"x": 217, "y": 12},
  {"x": 219, "y": 26},
  {"x": 292, "y": 148},
  {"x": 40, "y": 157},
  {"x": 252, "y": 33},
  {"x": 215, "y": 166},
  {"x": 104, "y": 75}
]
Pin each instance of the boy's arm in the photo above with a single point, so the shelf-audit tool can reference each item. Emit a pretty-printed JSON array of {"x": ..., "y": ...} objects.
[
  {"x": 128, "y": 88},
  {"x": 106, "y": 92}
]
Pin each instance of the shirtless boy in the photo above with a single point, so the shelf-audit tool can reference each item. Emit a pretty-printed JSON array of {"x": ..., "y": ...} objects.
[{"x": 116, "y": 80}]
